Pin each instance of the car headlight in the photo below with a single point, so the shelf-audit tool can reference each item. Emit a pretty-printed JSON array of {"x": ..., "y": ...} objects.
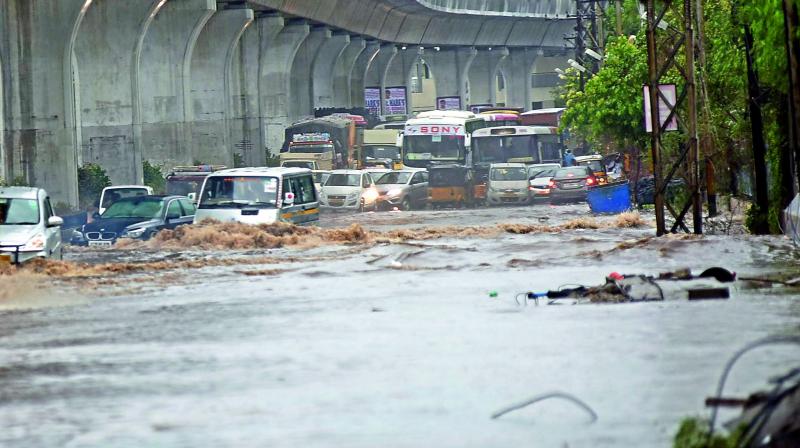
[
  {"x": 77, "y": 234},
  {"x": 134, "y": 233},
  {"x": 35, "y": 243},
  {"x": 394, "y": 192}
]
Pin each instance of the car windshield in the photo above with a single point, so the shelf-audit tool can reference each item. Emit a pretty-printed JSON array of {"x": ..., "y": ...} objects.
[
  {"x": 239, "y": 191},
  {"x": 575, "y": 171},
  {"x": 298, "y": 164},
  {"x": 146, "y": 208},
  {"x": 19, "y": 211},
  {"x": 536, "y": 174},
  {"x": 595, "y": 165},
  {"x": 509, "y": 174},
  {"x": 344, "y": 180},
  {"x": 320, "y": 178},
  {"x": 114, "y": 195},
  {"x": 394, "y": 178},
  {"x": 382, "y": 152}
]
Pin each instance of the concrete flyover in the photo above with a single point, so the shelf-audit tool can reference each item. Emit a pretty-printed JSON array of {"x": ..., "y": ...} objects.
[{"x": 121, "y": 82}]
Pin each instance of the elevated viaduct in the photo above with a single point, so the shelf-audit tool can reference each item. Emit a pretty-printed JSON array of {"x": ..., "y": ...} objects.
[{"x": 120, "y": 82}]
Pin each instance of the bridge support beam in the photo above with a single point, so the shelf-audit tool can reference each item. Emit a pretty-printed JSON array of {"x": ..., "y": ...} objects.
[
  {"x": 450, "y": 71},
  {"x": 378, "y": 68},
  {"x": 39, "y": 135},
  {"x": 483, "y": 75},
  {"x": 211, "y": 86},
  {"x": 519, "y": 66},
  {"x": 277, "y": 58},
  {"x": 323, "y": 70},
  {"x": 165, "y": 73},
  {"x": 108, "y": 52},
  {"x": 343, "y": 71},
  {"x": 302, "y": 77},
  {"x": 359, "y": 73}
]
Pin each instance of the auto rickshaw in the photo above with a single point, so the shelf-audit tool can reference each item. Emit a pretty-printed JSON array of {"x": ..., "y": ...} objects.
[
  {"x": 595, "y": 161},
  {"x": 450, "y": 185}
]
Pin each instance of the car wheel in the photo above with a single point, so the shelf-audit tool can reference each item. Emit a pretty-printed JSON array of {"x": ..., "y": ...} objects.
[{"x": 406, "y": 204}]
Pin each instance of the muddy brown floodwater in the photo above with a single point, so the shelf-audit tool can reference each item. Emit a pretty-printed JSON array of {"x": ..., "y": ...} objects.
[{"x": 379, "y": 329}]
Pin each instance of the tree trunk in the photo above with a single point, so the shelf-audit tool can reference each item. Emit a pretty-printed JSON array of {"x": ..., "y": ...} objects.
[
  {"x": 785, "y": 170},
  {"x": 760, "y": 223},
  {"x": 790, "y": 20}
]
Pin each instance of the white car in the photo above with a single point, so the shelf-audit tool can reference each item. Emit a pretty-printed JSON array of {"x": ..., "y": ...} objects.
[
  {"x": 114, "y": 193},
  {"x": 540, "y": 175},
  {"x": 349, "y": 189},
  {"x": 508, "y": 184},
  {"x": 28, "y": 227}
]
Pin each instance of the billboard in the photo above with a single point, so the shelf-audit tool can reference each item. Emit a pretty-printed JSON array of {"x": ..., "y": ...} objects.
[
  {"x": 395, "y": 102},
  {"x": 664, "y": 107},
  {"x": 372, "y": 99},
  {"x": 448, "y": 102}
]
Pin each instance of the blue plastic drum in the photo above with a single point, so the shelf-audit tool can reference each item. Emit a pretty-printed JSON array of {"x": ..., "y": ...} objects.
[{"x": 611, "y": 198}]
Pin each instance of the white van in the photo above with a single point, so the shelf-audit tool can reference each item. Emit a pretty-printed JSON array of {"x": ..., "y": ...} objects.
[{"x": 259, "y": 196}]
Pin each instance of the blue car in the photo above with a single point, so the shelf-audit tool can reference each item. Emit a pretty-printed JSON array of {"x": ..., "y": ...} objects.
[{"x": 138, "y": 217}]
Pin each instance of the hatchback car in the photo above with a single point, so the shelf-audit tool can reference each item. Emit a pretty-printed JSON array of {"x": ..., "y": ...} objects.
[
  {"x": 137, "y": 218},
  {"x": 508, "y": 184},
  {"x": 539, "y": 176},
  {"x": 571, "y": 184},
  {"x": 28, "y": 227},
  {"x": 405, "y": 189},
  {"x": 349, "y": 189}
]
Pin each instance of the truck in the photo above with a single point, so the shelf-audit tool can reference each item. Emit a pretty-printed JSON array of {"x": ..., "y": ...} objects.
[
  {"x": 325, "y": 143},
  {"x": 381, "y": 148},
  {"x": 188, "y": 180}
]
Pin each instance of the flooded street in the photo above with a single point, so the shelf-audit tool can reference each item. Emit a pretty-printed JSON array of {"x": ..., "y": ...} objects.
[{"x": 386, "y": 336}]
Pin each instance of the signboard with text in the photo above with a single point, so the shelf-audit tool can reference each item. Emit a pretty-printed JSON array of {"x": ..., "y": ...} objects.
[
  {"x": 434, "y": 129},
  {"x": 448, "y": 102},
  {"x": 664, "y": 107},
  {"x": 395, "y": 102},
  {"x": 372, "y": 99}
]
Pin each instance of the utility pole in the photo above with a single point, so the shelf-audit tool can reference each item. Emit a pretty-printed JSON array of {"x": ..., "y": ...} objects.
[
  {"x": 660, "y": 59},
  {"x": 761, "y": 226},
  {"x": 790, "y": 22},
  {"x": 619, "y": 17},
  {"x": 655, "y": 136}
]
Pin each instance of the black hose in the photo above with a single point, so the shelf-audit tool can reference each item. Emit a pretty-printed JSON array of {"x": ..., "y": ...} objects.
[{"x": 772, "y": 340}]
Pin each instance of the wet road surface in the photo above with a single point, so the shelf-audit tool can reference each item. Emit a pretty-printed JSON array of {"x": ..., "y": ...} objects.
[{"x": 388, "y": 344}]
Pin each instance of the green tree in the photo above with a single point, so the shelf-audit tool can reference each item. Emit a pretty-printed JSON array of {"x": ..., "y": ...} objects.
[
  {"x": 153, "y": 177},
  {"x": 92, "y": 178}
]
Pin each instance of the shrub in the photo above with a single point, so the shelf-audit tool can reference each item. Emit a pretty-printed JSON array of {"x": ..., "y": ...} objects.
[
  {"x": 153, "y": 177},
  {"x": 92, "y": 178}
]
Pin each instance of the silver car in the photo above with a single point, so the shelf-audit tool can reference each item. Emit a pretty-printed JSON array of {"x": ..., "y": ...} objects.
[
  {"x": 28, "y": 227},
  {"x": 508, "y": 184},
  {"x": 404, "y": 189}
]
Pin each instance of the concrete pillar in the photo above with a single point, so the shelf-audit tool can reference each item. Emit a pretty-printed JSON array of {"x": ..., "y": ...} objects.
[
  {"x": 482, "y": 75},
  {"x": 378, "y": 67},
  {"x": 277, "y": 58},
  {"x": 39, "y": 135},
  {"x": 518, "y": 67},
  {"x": 301, "y": 85},
  {"x": 401, "y": 70},
  {"x": 343, "y": 70},
  {"x": 450, "y": 68},
  {"x": 211, "y": 85},
  {"x": 323, "y": 74},
  {"x": 165, "y": 71},
  {"x": 108, "y": 51},
  {"x": 359, "y": 72},
  {"x": 246, "y": 123}
]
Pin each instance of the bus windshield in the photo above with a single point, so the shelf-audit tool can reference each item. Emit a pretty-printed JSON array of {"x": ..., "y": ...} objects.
[
  {"x": 505, "y": 148},
  {"x": 434, "y": 147},
  {"x": 239, "y": 191}
]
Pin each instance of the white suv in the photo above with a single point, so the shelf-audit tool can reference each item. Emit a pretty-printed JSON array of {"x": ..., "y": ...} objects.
[{"x": 28, "y": 227}]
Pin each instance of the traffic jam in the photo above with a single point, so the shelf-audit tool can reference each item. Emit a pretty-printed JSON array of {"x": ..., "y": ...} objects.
[{"x": 441, "y": 159}]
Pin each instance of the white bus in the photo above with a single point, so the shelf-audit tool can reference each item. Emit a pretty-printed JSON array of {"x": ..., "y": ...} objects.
[{"x": 439, "y": 137}]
